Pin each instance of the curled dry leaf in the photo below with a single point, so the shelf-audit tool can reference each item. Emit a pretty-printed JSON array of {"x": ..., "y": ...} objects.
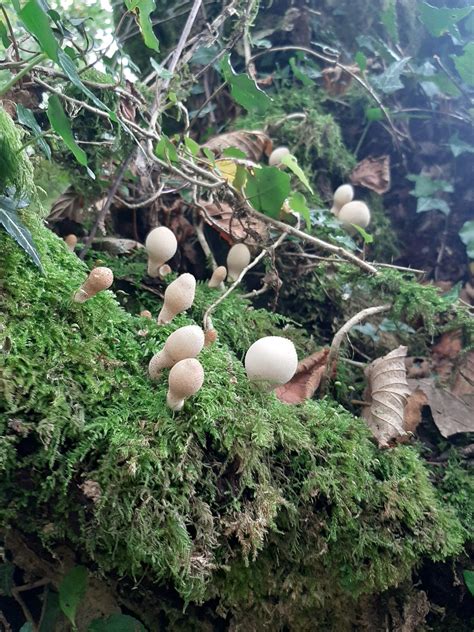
[
  {"x": 254, "y": 144},
  {"x": 373, "y": 174},
  {"x": 245, "y": 228},
  {"x": 306, "y": 380},
  {"x": 387, "y": 393},
  {"x": 69, "y": 205},
  {"x": 336, "y": 81}
]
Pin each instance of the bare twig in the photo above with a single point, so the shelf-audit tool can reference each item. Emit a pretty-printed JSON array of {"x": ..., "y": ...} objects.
[
  {"x": 339, "y": 337},
  {"x": 12, "y": 34},
  {"x": 4, "y": 622},
  {"x": 140, "y": 203},
  {"x": 255, "y": 293},
  {"x": 392, "y": 266}
]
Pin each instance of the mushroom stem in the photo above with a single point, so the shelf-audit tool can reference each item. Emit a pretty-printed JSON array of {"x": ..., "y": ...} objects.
[{"x": 218, "y": 277}]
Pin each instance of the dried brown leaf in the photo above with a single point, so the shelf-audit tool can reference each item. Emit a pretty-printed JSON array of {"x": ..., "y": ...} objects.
[
  {"x": 387, "y": 393},
  {"x": 413, "y": 408},
  {"x": 246, "y": 228},
  {"x": 306, "y": 380},
  {"x": 373, "y": 174},
  {"x": 253, "y": 143},
  {"x": 69, "y": 205}
]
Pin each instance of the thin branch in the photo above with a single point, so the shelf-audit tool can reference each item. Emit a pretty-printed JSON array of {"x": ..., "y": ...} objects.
[
  {"x": 12, "y": 34},
  {"x": 374, "y": 263},
  {"x": 141, "y": 203},
  {"x": 340, "y": 335},
  {"x": 24, "y": 71}
]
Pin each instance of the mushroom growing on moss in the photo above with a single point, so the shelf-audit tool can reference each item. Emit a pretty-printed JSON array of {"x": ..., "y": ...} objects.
[
  {"x": 160, "y": 245},
  {"x": 185, "y": 342},
  {"x": 99, "y": 279},
  {"x": 271, "y": 361},
  {"x": 185, "y": 379},
  {"x": 218, "y": 277},
  {"x": 277, "y": 155},
  {"x": 342, "y": 195},
  {"x": 238, "y": 258},
  {"x": 355, "y": 212},
  {"x": 71, "y": 241},
  {"x": 179, "y": 296}
]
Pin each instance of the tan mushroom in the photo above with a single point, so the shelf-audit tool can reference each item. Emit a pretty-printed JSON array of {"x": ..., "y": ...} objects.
[
  {"x": 160, "y": 245},
  {"x": 99, "y": 279},
  {"x": 185, "y": 379},
  {"x": 145, "y": 313},
  {"x": 218, "y": 277},
  {"x": 342, "y": 195},
  {"x": 71, "y": 241},
  {"x": 179, "y": 296},
  {"x": 238, "y": 258},
  {"x": 185, "y": 342},
  {"x": 277, "y": 155},
  {"x": 355, "y": 212},
  {"x": 271, "y": 361}
]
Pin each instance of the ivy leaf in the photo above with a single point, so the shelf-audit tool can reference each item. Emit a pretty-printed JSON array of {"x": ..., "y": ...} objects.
[
  {"x": 290, "y": 161},
  {"x": 426, "y": 186},
  {"x": 297, "y": 203},
  {"x": 72, "y": 590},
  {"x": 36, "y": 21},
  {"x": 467, "y": 237},
  {"x": 469, "y": 580},
  {"x": 267, "y": 189},
  {"x": 165, "y": 150},
  {"x": 243, "y": 89},
  {"x": 4, "y": 35},
  {"x": 441, "y": 20},
  {"x": 144, "y": 8},
  {"x": 27, "y": 118},
  {"x": 432, "y": 204},
  {"x": 116, "y": 623},
  {"x": 459, "y": 147},
  {"x": 12, "y": 223},
  {"x": 465, "y": 64},
  {"x": 389, "y": 81}
]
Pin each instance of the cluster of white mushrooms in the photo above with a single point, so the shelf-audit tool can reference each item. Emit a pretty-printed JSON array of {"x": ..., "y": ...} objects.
[{"x": 349, "y": 211}]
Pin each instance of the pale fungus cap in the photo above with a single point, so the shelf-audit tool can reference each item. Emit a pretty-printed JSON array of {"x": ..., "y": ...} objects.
[
  {"x": 160, "y": 245},
  {"x": 99, "y": 279},
  {"x": 355, "y": 212},
  {"x": 218, "y": 277},
  {"x": 185, "y": 379},
  {"x": 342, "y": 195},
  {"x": 145, "y": 313},
  {"x": 237, "y": 259},
  {"x": 271, "y": 360},
  {"x": 277, "y": 155},
  {"x": 179, "y": 296},
  {"x": 71, "y": 241},
  {"x": 185, "y": 342}
]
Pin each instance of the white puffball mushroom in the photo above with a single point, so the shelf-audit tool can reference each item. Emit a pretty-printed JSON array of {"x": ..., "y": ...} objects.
[
  {"x": 355, "y": 212},
  {"x": 71, "y": 241},
  {"x": 277, "y": 155},
  {"x": 342, "y": 195},
  {"x": 237, "y": 259},
  {"x": 99, "y": 279},
  {"x": 218, "y": 277},
  {"x": 185, "y": 342},
  {"x": 185, "y": 379},
  {"x": 160, "y": 245},
  {"x": 271, "y": 361},
  {"x": 179, "y": 296}
]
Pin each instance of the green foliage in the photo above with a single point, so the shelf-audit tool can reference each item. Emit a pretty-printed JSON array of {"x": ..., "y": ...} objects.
[
  {"x": 116, "y": 623},
  {"x": 72, "y": 590},
  {"x": 441, "y": 20},
  {"x": 37, "y": 22},
  {"x": 60, "y": 123},
  {"x": 243, "y": 89},
  {"x": 11, "y": 222},
  {"x": 144, "y": 8},
  {"x": 27, "y": 118},
  {"x": 467, "y": 237},
  {"x": 266, "y": 189},
  {"x": 15, "y": 168}
]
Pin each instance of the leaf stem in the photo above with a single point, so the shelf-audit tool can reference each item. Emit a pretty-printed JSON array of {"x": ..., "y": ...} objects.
[{"x": 24, "y": 71}]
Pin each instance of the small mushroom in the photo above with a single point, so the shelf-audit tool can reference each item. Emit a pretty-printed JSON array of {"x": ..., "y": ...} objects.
[
  {"x": 218, "y": 277},
  {"x": 185, "y": 342},
  {"x": 237, "y": 259},
  {"x": 99, "y": 279},
  {"x": 71, "y": 241},
  {"x": 160, "y": 245},
  {"x": 277, "y": 155},
  {"x": 185, "y": 379},
  {"x": 179, "y": 296},
  {"x": 145, "y": 313},
  {"x": 355, "y": 212},
  {"x": 342, "y": 195},
  {"x": 271, "y": 361}
]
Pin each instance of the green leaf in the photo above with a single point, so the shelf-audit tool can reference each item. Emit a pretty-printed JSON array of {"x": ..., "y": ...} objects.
[
  {"x": 459, "y": 147},
  {"x": 290, "y": 161},
  {"x": 452, "y": 295},
  {"x": 389, "y": 81},
  {"x": 51, "y": 612},
  {"x": 209, "y": 155},
  {"x": 234, "y": 152},
  {"x": 191, "y": 146},
  {"x": 299, "y": 74},
  {"x": 267, "y": 189},
  {"x": 144, "y": 8},
  {"x": 469, "y": 580},
  {"x": 426, "y": 186},
  {"x": 243, "y": 89},
  {"x": 27, "y": 118},
  {"x": 465, "y": 64},
  {"x": 60, "y": 124},
  {"x": 72, "y": 590},
  {"x": 432, "y": 204},
  {"x": 6, "y": 575},
  {"x": 374, "y": 114},
  {"x": 368, "y": 239},
  {"x": 116, "y": 623},
  {"x": 12, "y": 223},
  {"x": 27, "y": 627},
  {"x": 441, "y": 20},
  {"x": 165, "y": 150},
  {"x": 467, "y": 237},
  {"x": 36, "y": 21},
  {"x": 4, "y": 35},
  {"x": 361, "y": 60},
  {"x": 390, "y": 21},
  {"x": 297, "y": 203},
  {"x": 240, "y": 177}
]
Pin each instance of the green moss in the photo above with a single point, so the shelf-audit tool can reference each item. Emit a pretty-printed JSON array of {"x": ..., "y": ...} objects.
[{"x": 15, "y": 168}]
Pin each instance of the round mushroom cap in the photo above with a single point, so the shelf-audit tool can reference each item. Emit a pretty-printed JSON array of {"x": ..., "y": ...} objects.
[
  {"x": 271, "y": 359},
  {"x": 185, "y": 342},
  {"x": 277, "y": 155},
  {"x": 238, "y": 258},
  {"x": 343, "y": 195},
  {"x": 355, "y": 212},
  {"x": 100, "y": 278},
  {"x": 161, "y": 244},
  {"x": 186, "y": 378}
]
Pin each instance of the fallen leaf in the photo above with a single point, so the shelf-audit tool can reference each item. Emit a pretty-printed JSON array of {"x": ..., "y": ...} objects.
[
  {"x": 413, "y": 408},
  {"x": 463, "y": 385},
  {"x": 446, "y": 353},
  {"x": 336, "y": 81},
  {"x": 69, "y": 205},
  {"x": 387, "y": 393},
  {"x": 254, "y": 144},
  {"x": 373, "y": 174},
  {"x": 306, "y": 380},
  {"x": 234, "y": 229},
  {"x": 417, "y": 367}
]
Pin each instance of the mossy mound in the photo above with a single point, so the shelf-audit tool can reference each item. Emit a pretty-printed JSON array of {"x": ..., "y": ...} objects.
[{"x": 238, "y": 497}]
